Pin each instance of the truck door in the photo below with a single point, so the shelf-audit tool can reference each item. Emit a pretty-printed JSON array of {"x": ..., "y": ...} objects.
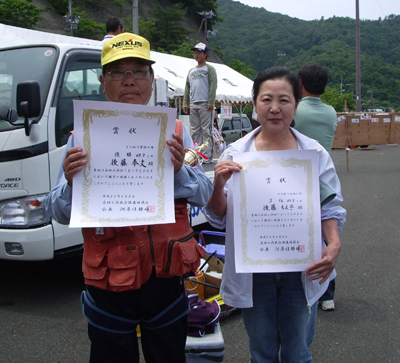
[{"x": 78, "y": 79}]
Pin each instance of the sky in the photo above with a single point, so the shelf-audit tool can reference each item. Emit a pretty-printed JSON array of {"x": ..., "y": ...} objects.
[{"x": 314, "y": 9}]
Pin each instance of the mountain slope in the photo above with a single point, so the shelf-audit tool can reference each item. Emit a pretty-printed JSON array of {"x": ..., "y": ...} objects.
[{"x": 262, "y": 39}]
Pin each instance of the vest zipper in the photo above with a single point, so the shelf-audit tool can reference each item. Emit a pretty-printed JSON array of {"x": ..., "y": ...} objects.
[
  {"x": 153, "y": 260},
  {"x": 170, "y": 247}
]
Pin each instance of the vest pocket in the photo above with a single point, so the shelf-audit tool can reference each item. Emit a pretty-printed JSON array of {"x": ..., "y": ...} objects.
[
  {"x": 106, "y": 263},
  {"x": 122, "y": 263},
  {"x": 93, "y": 266},
  {"x": 182, "y": 256}
]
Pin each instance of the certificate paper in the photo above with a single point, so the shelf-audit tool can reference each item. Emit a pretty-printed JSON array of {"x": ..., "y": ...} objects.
[
  {"x": 128, "y": 179},
  {"x": 277, "y": 216}
]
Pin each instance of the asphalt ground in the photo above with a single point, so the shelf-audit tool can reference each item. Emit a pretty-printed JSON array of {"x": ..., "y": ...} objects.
[{"x": 41, "y": 318}]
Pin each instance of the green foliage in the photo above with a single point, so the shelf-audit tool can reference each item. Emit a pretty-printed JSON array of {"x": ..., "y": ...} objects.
[
  {"x": 165, "y": 30},
  {"x": 101, "y": 2},
  {"x": 145, "y": 28},
  {"x": 242, "y": 68},
  {"x": 261, "y": 39},
  {"x": 184, "y": 50},
  {"x": 20, "y": 13},
  {"x": 161, "y": 50},
  {"x": 61, "y": 6},
  {"x": 87, "y": 28},
  {"x": 333, "y": 97},
  {"x": 217, "y": 50}
]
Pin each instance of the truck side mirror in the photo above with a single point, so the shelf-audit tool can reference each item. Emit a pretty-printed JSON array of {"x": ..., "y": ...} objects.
[{"x": 28, "y": 102}]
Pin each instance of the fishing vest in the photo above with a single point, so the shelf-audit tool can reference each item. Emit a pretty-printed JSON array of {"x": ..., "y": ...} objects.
[{"x": 122, "y": 258}]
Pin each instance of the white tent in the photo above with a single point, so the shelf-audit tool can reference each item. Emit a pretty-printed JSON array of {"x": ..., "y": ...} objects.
[{"x": 232, "y": 87}]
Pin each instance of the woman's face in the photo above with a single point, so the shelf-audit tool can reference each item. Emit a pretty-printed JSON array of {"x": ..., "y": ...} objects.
[{"x": 275, "y": 104}]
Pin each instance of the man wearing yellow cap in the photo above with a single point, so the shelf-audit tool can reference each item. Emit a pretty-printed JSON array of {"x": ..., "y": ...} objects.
[{"x": 133, "y": 274}]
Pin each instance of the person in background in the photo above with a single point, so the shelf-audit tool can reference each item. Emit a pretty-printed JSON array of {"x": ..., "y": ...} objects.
[
  {"x": 114, "y": 26},
  {"x": 279, "y": 309},
  {"x": 317, "y": 120},
  {"x": 131, "y": 275},
  {"x": 200, "y": 93}
]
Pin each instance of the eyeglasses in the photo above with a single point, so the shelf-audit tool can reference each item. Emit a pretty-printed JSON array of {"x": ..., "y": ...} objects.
[{"x": 120, "y": 74}]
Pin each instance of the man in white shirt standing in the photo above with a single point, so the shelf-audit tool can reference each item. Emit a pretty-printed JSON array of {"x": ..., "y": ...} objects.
[{"x": 200, "y": 91}]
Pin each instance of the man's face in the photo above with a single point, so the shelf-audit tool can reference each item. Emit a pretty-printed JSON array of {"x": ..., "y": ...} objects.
[
  {"x": 200, "y": 56},
  {"x": 128, "y": 89}
]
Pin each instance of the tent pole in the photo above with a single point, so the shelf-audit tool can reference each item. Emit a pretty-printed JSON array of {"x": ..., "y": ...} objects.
[{"x": 241, "y": 123}]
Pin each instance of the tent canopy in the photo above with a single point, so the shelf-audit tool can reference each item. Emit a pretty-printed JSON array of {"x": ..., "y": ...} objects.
[{"x": 232, "y": 87}]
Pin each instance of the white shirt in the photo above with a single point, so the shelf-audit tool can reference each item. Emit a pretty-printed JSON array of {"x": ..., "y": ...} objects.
[{"x": 237, "y": 288}]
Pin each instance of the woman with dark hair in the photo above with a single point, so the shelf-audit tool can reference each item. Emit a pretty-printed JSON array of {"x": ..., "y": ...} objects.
[{"x": 279, "y": 309}]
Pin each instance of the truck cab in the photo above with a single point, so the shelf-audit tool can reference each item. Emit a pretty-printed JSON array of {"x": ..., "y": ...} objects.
[
  {"x": 38, "y": 84},
  {"x": 32, "y": 144}
]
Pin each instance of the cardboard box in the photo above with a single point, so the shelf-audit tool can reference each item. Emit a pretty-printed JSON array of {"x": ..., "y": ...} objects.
[
  {"x": 216, "y": 265},
  {"x": 394, "y": 137},
  {"x": 339, "y": 139},
  {"x": 368, "y": 128}
]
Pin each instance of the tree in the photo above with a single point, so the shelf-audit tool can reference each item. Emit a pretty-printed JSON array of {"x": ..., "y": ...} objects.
[
  {"x": 184, "y": 50},
  {"x": 61, "y": 6},
  {"x": 333, "y": 97},
  {"x": 242, "y": 68},
  {"x": 19, "y": 13},
  {"x": 165, "y": 30},
  {"x": 87, "y": 28}
]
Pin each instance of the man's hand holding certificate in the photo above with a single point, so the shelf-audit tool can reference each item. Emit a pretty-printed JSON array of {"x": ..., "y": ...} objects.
[{"x": 128, "y": 179}]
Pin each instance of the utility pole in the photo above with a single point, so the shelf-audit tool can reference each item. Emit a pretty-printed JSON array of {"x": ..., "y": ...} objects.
[
  {"x": 206, "y": 15},
  {"x": 135, "y": 17},
  {"x": 71, "y": 20},
  {"x": 358, "y": 59},
  {"x": 280, "y": 55}
]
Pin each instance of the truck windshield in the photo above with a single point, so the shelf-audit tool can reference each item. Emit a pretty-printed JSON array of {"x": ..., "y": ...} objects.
[{"x": 24, "y": 64}]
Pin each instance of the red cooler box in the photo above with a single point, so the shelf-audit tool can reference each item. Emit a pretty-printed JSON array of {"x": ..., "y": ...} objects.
[{"x": 208, "y": 348}]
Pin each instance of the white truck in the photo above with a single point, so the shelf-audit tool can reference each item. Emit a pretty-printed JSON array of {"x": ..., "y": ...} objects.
[{"x": 37, "y": 86}]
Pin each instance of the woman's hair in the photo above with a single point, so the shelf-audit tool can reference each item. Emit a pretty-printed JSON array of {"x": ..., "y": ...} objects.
[{"x": 277, "y": 73}]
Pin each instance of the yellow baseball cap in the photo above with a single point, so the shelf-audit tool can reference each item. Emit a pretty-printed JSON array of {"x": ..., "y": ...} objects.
[{"x": 125, "y": 45}]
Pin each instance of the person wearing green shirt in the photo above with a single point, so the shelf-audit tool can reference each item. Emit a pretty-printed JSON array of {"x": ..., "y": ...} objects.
[
  {"x": 314, "y": 118},
  {"x": 317, "y": 120}
]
